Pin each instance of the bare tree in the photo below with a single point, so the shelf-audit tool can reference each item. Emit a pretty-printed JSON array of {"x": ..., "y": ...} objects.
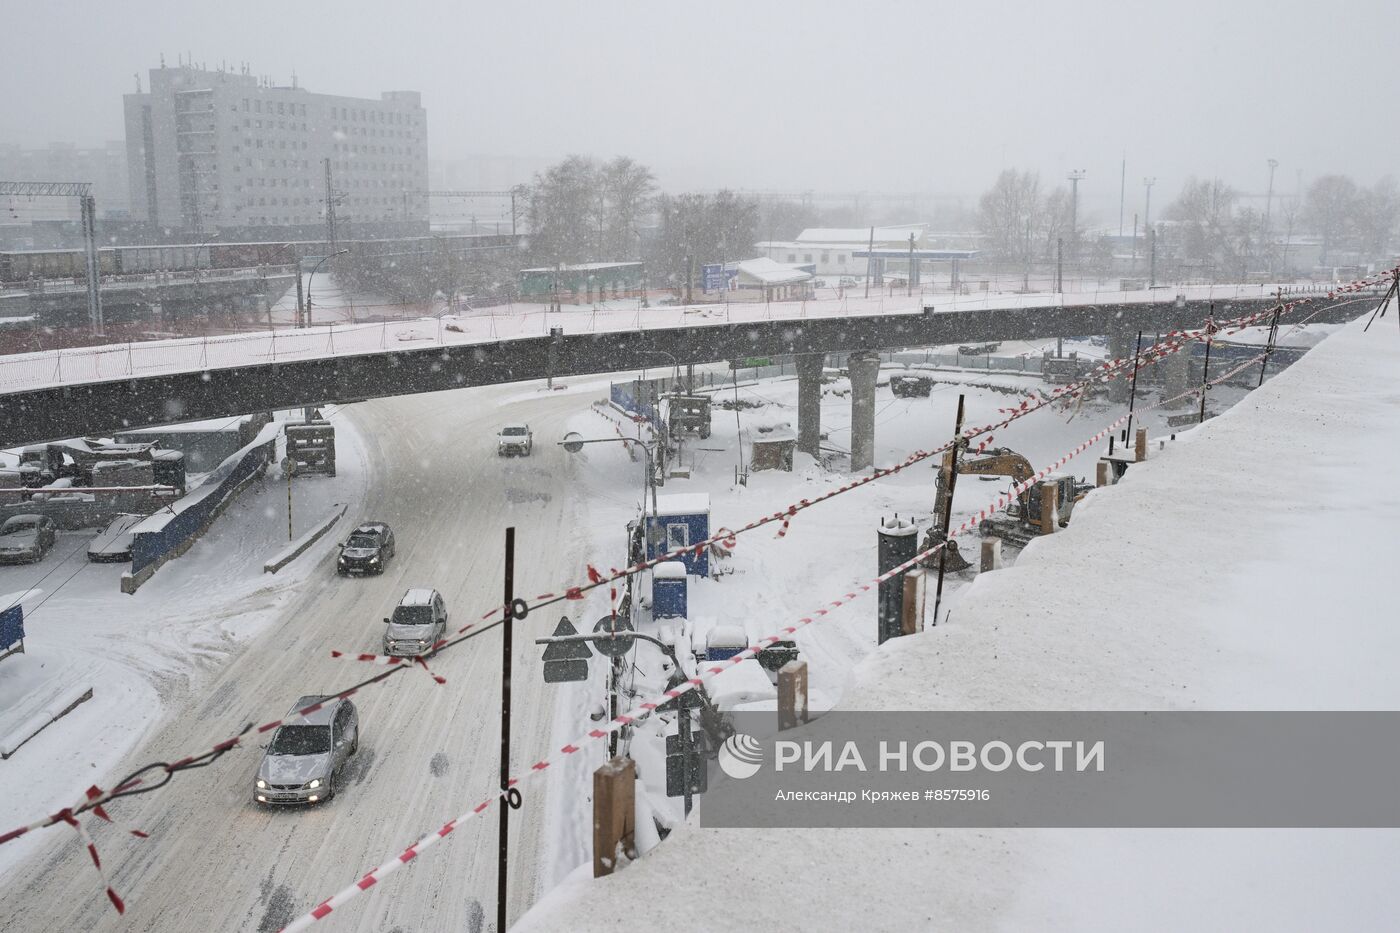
[
  {"x": 626, "y": 188},
  {"x": 1202, "y": 237},
  {"x": 1330, "y": 207},
  {"x": 563, "y": 210},
  {"x": 1376, "y": 214},
  {"x": 1009, "y": 214}
]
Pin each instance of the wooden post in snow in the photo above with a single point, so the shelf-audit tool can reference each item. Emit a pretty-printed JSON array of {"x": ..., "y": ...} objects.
[
  {"x": 991, "y": 554},
  {"x": 1104, "y": 477},
  {"x": 614, "y": 814},
  {"x": 1049, "y": 508},
  {"x": 1140, "y": 451},
  {"x": 912, "y": 619},
  {"x": 792, "y": 694}
]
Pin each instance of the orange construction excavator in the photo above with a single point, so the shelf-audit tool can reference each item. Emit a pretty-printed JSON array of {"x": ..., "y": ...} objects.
[{"x": 1023, "y": 520}]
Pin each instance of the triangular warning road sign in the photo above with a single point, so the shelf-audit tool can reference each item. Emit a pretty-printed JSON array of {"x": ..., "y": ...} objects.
[{"x": 567, "y": 651}]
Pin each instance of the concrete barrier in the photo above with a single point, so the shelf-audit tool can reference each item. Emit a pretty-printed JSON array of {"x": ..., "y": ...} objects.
[{"x": 298, "y": 547}]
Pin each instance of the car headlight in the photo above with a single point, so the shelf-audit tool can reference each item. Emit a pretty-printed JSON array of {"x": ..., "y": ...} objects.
[
  {"x": 262, "y": 785},
  {"x": 314, "y": 784},
  {"x": 374, "y": 560}
]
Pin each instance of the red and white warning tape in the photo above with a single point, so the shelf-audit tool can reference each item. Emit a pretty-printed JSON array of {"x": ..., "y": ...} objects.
[
  {"x": 726, "y": 537},
  {"x": 377, "y": 874}
]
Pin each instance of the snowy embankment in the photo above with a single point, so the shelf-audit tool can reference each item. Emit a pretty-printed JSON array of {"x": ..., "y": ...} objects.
[{"x": 1246, "y": 566}]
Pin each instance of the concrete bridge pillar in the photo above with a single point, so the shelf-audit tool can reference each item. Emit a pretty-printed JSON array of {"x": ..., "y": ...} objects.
[
  {"x": 1177, "y": 369},
  {"x": 864, "y": 368},
  {"x": 809, "y": 402},
  {"x": 1121, "y": 346}
]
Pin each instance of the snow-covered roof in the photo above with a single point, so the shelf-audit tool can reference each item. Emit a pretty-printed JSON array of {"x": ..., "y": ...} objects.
[
  {"x": 587, "y": 267},
  {"x": 689, "y": 503},
  {"x": 834, "y": 235},
  {"x": 768, "y": 272},
  {"x": 418, "y": 596}
]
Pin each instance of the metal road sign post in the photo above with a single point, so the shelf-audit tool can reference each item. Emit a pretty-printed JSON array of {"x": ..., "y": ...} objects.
[
  {"x": 566, "y": 661},
  {"x": 289, "y": 469},
  {"x": 685, "y": 762},
  {"x": 617, "y": 637}
]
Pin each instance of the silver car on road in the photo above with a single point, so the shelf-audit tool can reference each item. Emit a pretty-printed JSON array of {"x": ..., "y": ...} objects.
[
  {"x": 418, "y": 624},
  {"x": 308, "y": 753}
]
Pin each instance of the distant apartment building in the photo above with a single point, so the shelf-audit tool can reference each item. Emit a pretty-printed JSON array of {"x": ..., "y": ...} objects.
[
  {"x": 216, "y": 150},
  {"x": 102, "y": 167}
]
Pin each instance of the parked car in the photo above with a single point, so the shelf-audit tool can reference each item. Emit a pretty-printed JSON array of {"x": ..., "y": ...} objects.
[
  {"x": 307, "y": 753},
  {"x": 368, "y": 549},
  {"x": 418, "y": 623},
  {"x": 113, "y": 543},
  {"x": 906, "y": 386},
  {"x": 515, "y": 439},
  {"x": 25, "y": 539},
  {"x": 848, "y": 281}
]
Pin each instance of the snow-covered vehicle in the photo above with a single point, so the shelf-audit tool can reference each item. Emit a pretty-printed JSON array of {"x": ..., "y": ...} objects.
[
  {"x": 113, "y": 543},
  {"x": 419, "y": 622},
  {"x": 25, "y": 539},
  {"x": 515, "y": 439},
  {"x": 306, "y": 754},
  {"x": 368, "y": 549}
]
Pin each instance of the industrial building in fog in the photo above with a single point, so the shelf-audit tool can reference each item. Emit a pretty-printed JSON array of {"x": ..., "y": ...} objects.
[{"x": 225, "y": 150}]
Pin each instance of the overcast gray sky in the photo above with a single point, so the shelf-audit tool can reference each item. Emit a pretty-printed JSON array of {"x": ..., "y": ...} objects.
[{"x": 832, "y": 96}]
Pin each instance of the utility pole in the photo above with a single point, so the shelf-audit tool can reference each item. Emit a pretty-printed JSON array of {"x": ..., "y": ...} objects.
[
  {"x": 330, "y": 208},
  {"x": 1152, "y": 240},
  {"x": 507, "y": 801},
  {"x": 1147, "y": 213},
  {"x": 1268, "y": 205},
  {"x": 1075, "y": 177},
  {"x": 1122, "y": 193},
  {"x": 87, "y": 207},
  {"x": 870, "y": 262},
  {"x": 909, "y": 283},
  {"x": 1059, "y": 266}
]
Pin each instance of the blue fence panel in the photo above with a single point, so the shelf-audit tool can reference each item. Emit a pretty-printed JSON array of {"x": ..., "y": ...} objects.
[
  {"x": 149, "y": 547},
  {"x": 11, "y": 627}
]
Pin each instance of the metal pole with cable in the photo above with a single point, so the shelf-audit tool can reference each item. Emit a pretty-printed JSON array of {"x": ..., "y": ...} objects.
[
  {"x": 948, "y": 506},
  {"x": 506, "y": 801}
]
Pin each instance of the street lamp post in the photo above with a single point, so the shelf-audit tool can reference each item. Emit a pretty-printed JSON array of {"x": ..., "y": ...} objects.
[
  {"x": 573, "y": 444},
  {"x": 309, "y": 279}
]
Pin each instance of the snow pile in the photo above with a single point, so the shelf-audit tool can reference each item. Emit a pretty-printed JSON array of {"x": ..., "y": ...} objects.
[{"x": 1244, "y": 566}]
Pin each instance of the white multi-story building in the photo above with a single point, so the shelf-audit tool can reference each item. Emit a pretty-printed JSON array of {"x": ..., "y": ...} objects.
[{"x": 219, "y": 149}]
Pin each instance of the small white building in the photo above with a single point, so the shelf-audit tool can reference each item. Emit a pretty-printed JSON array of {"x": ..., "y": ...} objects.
[
  {"x": 772, "y": 281},
  {"x": 831, "y": 250}
]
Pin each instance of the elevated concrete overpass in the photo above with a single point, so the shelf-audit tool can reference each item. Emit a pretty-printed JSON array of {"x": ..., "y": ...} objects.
[{"x": 94, "y": 391}]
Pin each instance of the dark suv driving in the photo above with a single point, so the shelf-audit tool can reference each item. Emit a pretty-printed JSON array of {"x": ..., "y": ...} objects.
[{"x": 367, "y": 551}]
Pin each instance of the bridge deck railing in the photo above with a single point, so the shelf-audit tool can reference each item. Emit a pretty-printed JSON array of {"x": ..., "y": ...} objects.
[{"x": 42, "y": 369}]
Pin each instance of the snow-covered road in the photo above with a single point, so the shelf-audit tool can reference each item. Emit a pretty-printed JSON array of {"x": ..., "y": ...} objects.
[{"x": 216, "y": 861}]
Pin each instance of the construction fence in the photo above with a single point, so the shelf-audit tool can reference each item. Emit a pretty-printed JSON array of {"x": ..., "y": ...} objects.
[{"x": 169, "y": 533}]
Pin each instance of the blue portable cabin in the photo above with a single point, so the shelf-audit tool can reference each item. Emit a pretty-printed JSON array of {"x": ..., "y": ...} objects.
[
  {"x": 680, "y": 522},
  {"x": 668, "y": 590}
]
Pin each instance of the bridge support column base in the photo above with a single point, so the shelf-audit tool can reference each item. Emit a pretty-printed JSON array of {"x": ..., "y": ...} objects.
[
  {"x": 809, "y": 402},
  {"x": 864, "y": 368}
]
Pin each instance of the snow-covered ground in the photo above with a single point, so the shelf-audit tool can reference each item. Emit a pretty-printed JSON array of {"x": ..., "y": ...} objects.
[
  {"x": 1245, "y": 566},
  {"x": 772, "y": 579},
  {"x": 146, "y": 655}
]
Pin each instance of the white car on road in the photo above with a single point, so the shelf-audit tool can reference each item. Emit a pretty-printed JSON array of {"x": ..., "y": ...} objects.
[{"x": 515, "y": 439}]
